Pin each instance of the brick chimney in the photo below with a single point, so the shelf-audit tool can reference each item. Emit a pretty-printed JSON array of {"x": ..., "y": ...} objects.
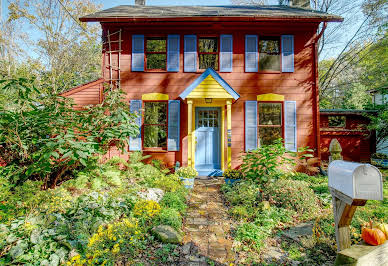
[
  {"x": 140, "y": 2},
  {"x": 300, "y": 3}
]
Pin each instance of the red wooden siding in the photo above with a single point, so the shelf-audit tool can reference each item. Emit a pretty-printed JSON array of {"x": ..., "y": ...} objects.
[
  {"x": 86, "y": 94},
  {"x": 357, "y": 142}
]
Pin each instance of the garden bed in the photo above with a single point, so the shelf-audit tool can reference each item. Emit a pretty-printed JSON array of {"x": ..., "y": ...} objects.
[
  {"x": 105, "y": 215},
  {"x": 298, "y": 226}
]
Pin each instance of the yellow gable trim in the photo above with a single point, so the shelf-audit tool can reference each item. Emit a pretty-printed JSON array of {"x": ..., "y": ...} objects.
[
  {"x": 154, "y": 97},
  {"x": 209, "y": 88},
  {"x": 270, "y": 97}
]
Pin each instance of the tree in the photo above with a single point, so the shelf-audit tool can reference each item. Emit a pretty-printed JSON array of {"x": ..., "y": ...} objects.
[
  {"x": 68, "y": 50},
  {"x": 45, "y": 137}
]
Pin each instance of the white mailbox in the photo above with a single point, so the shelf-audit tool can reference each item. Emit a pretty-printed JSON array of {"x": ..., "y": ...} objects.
[{"x": 356, "y": 180}]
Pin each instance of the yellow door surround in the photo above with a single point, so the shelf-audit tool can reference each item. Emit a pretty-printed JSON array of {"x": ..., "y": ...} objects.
[{"x": 210, "y": 90}]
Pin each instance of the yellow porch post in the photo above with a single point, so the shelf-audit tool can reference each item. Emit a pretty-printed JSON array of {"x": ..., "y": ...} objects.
[
  {"x": 189, "y": 131},
  {"x": 229, "y": 131}
]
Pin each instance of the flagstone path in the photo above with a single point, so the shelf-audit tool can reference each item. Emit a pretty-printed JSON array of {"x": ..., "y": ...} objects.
[{"x": 207, "y": 226}]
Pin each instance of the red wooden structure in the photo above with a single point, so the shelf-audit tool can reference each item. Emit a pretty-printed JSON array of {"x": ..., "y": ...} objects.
[{"x": 349, "y": 127}]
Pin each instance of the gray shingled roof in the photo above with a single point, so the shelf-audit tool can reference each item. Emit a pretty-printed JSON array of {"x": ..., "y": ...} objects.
[{"x": 251, "y": 11}]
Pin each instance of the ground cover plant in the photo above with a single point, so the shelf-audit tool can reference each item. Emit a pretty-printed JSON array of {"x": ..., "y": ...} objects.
[
  {"x": 265, "y": 208},
  {"x": 98, "y": 217}
]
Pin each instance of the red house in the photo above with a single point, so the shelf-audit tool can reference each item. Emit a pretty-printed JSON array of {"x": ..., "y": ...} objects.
[{"x": 211, "y": 82}]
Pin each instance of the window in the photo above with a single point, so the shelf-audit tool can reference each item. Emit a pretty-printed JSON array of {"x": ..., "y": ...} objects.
[
  {"x": 155, "y": 125},
  {"x": 208, "y": 52},
  {"x": 337, "y": 121},
  {"x": 269, "y": 54},
  {"x": 156, "y": 53},
  {"x": 270, "y": 122}
]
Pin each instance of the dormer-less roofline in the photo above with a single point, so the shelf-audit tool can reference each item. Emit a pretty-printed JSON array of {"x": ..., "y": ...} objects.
[{"x": 251, "y": 13}]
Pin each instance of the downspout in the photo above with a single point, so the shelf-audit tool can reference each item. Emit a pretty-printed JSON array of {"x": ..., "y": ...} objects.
[{"x": 316, "y": 113}]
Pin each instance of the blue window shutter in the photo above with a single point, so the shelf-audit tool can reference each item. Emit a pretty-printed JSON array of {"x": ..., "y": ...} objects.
[
  {"x": 190, "y": 57},
  {"x": 290, "y": 133},
  {"x": 287, "y": 53},
  {"x": 173, "y": 125},
  {"x": 251, "y": 59},
  {"x": 173, "y": 53},
  {"x": 137, "y": 52},
  {"x": 135, "y": 143},
  {"x": 250, "y": 125},
  {"x": 226, "y": 55}
]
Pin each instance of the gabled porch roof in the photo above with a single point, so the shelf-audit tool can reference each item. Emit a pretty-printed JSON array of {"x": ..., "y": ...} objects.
[{"x": 223, "y": 90}]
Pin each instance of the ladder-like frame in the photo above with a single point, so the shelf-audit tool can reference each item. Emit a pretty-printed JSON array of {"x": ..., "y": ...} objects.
[{"x": 113, "y": 47}]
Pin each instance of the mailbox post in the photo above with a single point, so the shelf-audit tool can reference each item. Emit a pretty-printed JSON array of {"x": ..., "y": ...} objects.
[{"x": 351, "y": 185}]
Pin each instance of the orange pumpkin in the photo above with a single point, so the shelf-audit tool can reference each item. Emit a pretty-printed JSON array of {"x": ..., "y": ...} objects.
[{"x": 373, "y": 236}]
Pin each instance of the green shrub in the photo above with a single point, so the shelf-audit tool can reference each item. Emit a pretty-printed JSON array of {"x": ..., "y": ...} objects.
[
  {"x": 171, "y": 217},
  {"x": 51, "y": 140},
  {"x": 243, "y": 193},
  {"x": 262, "y": 165},
  {"x": 175, "y": 200},
  {"x": 293, "y": 194}
]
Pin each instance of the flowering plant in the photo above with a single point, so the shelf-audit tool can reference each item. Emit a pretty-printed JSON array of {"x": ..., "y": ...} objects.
[
  {"x": 187, "y": 172},
  {"x": 233, "y": 174},
  {"x": 146, "y": 208},
  {"x": 112, "y": 241}
]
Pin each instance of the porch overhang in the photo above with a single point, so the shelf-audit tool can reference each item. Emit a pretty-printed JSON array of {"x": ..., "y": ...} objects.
[{"x": 209, "y": 85}]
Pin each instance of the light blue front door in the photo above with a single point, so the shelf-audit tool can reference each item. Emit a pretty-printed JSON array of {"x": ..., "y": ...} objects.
[{"x": 207, "y": 137}]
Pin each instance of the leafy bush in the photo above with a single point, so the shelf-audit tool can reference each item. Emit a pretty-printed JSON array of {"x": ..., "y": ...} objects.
[
  {"x": 293, "y": 194},
  {"x": 262, "y": 165},
  {"x": 111, "y": 242},
  {"x": 42, "y": 137},
  {"x": 233, "y": 174},
  {"x": 244, "y": 193},
  {"x": 175, "y": 200},
  {"x": 187, "y": 172},
  {"x": 171, "y": 217}
]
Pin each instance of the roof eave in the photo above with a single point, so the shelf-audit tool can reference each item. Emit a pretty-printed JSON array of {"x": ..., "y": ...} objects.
[{"x": 218, "y": 18}]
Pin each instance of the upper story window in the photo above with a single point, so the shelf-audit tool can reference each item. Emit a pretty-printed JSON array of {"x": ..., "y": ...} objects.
[
  {"x": 208, "y": 52},
  {"x": 156, "y": 53},
  {"x": 269, "y": 54}
]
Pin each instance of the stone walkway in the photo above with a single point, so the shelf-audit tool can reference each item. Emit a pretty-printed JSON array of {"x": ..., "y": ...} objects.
[{"x": 207, "y": 227}]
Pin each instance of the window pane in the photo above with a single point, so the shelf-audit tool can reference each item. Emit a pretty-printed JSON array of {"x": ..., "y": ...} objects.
[
  {"x": 208, "y": 45},
  {"x": 155, "y": 113},
  {"x": 155, "y": 136},
  {"x": 269, "y": 54},
  {"x": 337, "y": 121},
  {"x": 208, "y": 60},
  {"x": 156, "y": 44},
  {"x": 156, "y": 61},
  {"x": 267, "y": 135},
  {"x": 270, "y": 113}
]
